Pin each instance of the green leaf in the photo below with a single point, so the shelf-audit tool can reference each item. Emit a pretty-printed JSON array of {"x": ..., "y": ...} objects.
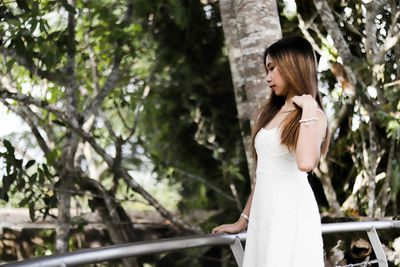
[
  {"x": 32, "y": 179},
  {"x": 9, "y": 147},
  {"x": 7, "y": 181},
  {"x": 67, "y": 6},
  {"x": 92, "y": 204},
  {"x": 393, "y": 125},
  {"x": 22, "y": 5},
  {"x": 42, "y": 26},
  {"x": 33, "y": 26},
  {"x": 24, "y": 201},
  {"x": 21, "y": 184},
  {"x": 14, "y": 22},
  {"x": 51, "y": 157},
  {"x": 29, "y": 164},
  {"x": 19, "y": 46},
  {"x": 32, "y": 211},
  {"x": 46, "y": 171},
  {"x": 58, "y": 122},
  {"x": 179, "y": 15},
  {"x": 10, "y": 64},
  {"x": 41, "y": 177},
  {"x": 3, "y": 194},
  {"x": 18, "y": 163},
  {"x": 136, "y": 27}
]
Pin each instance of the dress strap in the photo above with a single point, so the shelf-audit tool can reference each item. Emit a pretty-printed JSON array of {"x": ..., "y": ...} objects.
[
  {"x": 320, "y": 110},
  {"x": 323, "y": 113},
  {"x": 326, "y": 120}
]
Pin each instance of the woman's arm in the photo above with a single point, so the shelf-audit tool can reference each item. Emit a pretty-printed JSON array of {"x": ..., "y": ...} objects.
[
  {"x": 241, "y": 224},
  {"x": 311, "y": 134}
]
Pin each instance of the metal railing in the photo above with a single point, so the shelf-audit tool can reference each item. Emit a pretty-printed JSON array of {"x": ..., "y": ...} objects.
[{"x": 96, "y": 255}]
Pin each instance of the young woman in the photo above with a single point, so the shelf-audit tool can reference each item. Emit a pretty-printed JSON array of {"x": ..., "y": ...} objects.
[{"x": 289, "y": 135}]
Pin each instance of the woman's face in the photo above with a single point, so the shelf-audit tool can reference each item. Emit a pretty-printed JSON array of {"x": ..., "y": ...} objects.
[{"x": 275, "y": 80}]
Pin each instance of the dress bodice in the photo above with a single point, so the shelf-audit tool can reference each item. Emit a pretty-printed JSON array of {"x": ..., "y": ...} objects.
[{"x": 272, "y": 155}]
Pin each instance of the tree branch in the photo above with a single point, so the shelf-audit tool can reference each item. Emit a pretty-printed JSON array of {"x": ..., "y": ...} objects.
[
  {"x": 178, "y": 223},
  {"x": 112, "y": 78},
  {"x": 323, "y": 172},
  {"x": 26, "y": 114},
  {"x": 371, "y": 44},
  {"x": 18, "y": 149},
  {"x": 369, "y": 159},
  {"x": 139, "y": 105},
  {"x": 205, "y": 182},
  {"x": 391, "y": 40},
  {"x": 395, "y": 17},
  {"x": 344, "y": 113},
  {"x": 93, "y": 64},
  {"x": 304, "y": 29},
  {"x": 28, "y": 100},
  {"x": 54, "y": 76},
  {"x": 11, "y": 85},
  {"x": 72, "y": 86},
  {"x": 108, "y": 125},
  {"x": 109, "y": 203},
  {"x": 107, "y": 87},
  {"x": 333, "y": 29},
  {"x": 349, "y": 25},
  {"x": 389, "y": 43},
  {"x": 384, "y": 194},
  {"x": 95, "y": 171},
  {"x": 4, "y": 94}
]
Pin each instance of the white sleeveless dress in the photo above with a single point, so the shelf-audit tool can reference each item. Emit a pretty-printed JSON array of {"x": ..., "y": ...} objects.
[{"x": 284, "y": 228}]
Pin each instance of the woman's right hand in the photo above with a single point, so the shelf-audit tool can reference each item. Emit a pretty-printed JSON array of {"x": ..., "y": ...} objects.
[{"x": 232, "y": 228}]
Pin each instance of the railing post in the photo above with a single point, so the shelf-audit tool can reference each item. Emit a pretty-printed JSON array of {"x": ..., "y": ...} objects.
[
  {"x": 377, "y": 247},
  {"x": 238, "y": 251}
]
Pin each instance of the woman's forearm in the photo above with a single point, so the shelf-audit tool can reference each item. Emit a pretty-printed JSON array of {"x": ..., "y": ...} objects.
[
  {"x": 307, "y": 149},
  {"x": 247, "y": 208}
]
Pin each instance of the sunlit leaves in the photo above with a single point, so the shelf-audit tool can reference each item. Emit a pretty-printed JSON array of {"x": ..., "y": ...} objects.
[
  {"x": 393, "y": 128},
  {"x": 31, "y": 180},
  {"x": 395, "y": 179}
]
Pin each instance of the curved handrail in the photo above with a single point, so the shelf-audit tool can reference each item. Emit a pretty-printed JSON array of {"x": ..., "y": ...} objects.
[
  {"x": 330, "y": 228},
  {"x": 95, "y": 255}
]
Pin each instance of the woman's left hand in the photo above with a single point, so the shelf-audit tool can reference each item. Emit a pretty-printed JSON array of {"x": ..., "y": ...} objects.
[{"x": 305, "y": 101}]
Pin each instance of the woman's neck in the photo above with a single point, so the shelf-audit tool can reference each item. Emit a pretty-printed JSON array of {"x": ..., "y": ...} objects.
[{"x": 289, "y": 105}]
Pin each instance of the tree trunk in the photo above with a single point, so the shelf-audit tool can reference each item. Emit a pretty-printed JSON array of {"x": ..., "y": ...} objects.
[
  {"x": 117, "y": 222},
  {"x": 249, "y": 27},
  {"x": 70, "y": 144},
  {"x": 324, "y": 175},
  {"x": 64, "y": 216}
]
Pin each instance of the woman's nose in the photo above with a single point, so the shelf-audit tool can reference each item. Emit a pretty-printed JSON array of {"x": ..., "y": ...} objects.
[{"x": 269, "y": 77}]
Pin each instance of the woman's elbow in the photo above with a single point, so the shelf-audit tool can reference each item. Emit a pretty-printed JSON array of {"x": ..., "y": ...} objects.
[{"x": 306, "y": 166}]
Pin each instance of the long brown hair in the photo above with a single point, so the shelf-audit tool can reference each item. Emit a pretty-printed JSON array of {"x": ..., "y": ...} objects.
[{"x": 296, "y": 61}]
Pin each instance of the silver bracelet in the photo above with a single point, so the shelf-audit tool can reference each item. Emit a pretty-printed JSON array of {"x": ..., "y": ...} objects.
[
  {"x": 245, "y": 216},
  {"x": 307, "y": 121}
]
